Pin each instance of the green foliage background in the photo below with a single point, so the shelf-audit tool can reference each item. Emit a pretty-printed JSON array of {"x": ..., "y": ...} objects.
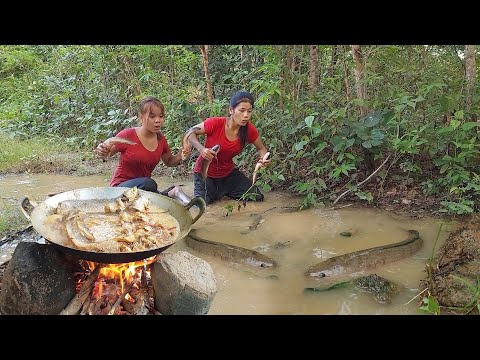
[{"x": 79, "y": 95}]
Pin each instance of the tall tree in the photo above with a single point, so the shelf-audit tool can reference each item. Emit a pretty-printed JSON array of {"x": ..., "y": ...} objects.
[
  {"x": 361, "y": 91},
  {"x": 313, "y": 71},
  {"x": 345, "y": 75},
  {"x": 469, "y": 74},
  {"x": 360, "y": 87},
  {"x": 204, "y": 49}
]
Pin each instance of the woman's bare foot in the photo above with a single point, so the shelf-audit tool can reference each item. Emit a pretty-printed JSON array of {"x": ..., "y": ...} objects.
[{"x": 178, "y": 194}]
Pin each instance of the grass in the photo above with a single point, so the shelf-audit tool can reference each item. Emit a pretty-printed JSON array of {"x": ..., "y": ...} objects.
[
  {"x": 11, "y": 219},
  {"x": 33, "y": 155},
  {"x": 16, "y": 155}
]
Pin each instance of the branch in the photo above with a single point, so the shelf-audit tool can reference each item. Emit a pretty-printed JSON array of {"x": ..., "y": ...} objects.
[
  {"x": 364, "y": 181},
  {"x": 76, "y": 303},
  {"x": 120, "y": 299}
]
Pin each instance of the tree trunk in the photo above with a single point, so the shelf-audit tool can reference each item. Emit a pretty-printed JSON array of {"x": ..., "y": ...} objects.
[
  {"x": 361, "y": 92},
  {"x": 333, "y": 60},
  {"x": 469, "y": 74},
  {"x": 345, "y": 76},
  {"x": 172, "y": 69},
  {"x": 360, "y": 88},
  {"x": 313, "y": 72},
  {"x": 204, "y": 49}
]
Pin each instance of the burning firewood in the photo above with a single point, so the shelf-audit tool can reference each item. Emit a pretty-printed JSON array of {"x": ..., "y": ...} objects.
[
  {"x": 113, "y": 289},
  {"x": 139, "y": 306},
  {"x": 74, "y": 306},
  {"x": 140, "y": 296},
  {"x": 85, "y": 306},
  {"x": 119, "y": 300}
]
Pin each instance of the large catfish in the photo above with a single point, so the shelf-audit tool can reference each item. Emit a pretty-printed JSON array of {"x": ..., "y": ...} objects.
[
  {"x": 227, "y": 252},
  {"x": 343, "y": 267},
  {"x": 130, "y": 198}
]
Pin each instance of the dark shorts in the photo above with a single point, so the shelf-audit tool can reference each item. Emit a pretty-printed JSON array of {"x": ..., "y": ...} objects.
[
  {"x": 234, "y": 186},
  {"x": 145, "y": 183}
]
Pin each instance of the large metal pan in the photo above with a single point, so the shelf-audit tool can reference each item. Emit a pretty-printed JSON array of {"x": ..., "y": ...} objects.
[{"x": 42, "y": 211}]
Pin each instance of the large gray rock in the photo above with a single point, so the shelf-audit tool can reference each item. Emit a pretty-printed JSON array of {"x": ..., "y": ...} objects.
[
  {"x": 38, "y": 280},
  {"x": 183, "y": 284}
]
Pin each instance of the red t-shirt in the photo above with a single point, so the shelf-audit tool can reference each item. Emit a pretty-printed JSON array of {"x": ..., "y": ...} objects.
[
  {"x": 135, "y": 160},
  {"x": 215, "y": 134}
]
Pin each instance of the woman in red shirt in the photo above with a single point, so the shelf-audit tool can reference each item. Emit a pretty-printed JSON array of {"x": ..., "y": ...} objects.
[
  {"x": 141, "y": 149},
  {"x": 232, "y": 133}
]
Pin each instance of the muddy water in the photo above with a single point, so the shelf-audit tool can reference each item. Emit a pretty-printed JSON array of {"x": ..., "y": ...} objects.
[{"x": 295, "y": 240}]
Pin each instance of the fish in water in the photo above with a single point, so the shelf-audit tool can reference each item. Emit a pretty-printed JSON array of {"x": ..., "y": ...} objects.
[
  {"x": 206, "y": 163},
  {"x": 129, "y": 198},
  {"x": 381, "y": 289},
  {"x": 347, "y": 266},
  {"x": 231, "y": 253}
]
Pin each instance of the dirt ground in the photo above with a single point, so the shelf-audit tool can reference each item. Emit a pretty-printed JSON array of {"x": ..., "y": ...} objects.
[{"x": 454, "y": 279}]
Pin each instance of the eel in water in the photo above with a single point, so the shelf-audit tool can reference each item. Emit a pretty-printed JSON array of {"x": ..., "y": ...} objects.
[
  {"x": 346, "y": 266},
  {"x": 381, "y": 289},
  {"x": 231, "y": 253}
]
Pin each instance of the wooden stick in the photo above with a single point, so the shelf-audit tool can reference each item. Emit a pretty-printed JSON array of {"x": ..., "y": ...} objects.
[
  {"x": 140, "y": 306},
  {"x": 76, "y": 303},
  {"x": 119, "y": 300},
  {"x": 340, "y": 207},
  {"x": 85, "y": 306},
  {"x": 363, "y": 182},
  {"x": 155, "y": 311}
]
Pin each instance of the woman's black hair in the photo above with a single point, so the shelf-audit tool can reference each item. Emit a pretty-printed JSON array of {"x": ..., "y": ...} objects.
[
  {"x": 243, "y": 134},
  {"x": 237, "y": 98}
]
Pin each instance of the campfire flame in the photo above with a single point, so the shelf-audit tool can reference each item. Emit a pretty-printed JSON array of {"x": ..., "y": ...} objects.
[
  {"x": 125, "y": 284},
  {"x": 125, "y": 273}
]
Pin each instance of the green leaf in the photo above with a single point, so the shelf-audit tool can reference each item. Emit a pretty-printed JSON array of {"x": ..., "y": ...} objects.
[
  {"x": 430, "y": 305},
  {"x": 367, "y": 144},
  {"x": 444, "y": 168},
  {"x": 309, "y": 121},
  {"x": 469, "y": 125},
  {"x": 299, "y": 146},
  {"x": 373, "y": 119}
]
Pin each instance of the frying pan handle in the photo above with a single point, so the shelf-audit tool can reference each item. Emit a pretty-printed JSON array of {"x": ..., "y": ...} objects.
[
  {"x": 201, "y": 205},
  {"x": 27, "y": 205}
]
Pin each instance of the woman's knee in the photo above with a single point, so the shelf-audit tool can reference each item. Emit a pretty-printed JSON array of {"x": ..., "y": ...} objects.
[
  {"x": 149, "y": 185},
  {"x": 144, "y": 183}
]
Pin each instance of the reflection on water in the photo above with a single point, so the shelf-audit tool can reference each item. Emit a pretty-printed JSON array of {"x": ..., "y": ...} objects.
[{"x": 295, "y": 240}]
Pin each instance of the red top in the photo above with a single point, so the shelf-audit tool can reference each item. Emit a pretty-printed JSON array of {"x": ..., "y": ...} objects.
[
  {"x": 215, "y": 134},
  {"x": 135, "y": 160}
]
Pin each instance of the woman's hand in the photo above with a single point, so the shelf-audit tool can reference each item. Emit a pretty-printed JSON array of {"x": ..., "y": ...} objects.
[
  {"x": 103, "y": 150},
  {"x": 265, "y": 160},
  {"x": 208, "y": 154},
  {"x": 186, "y": 151}
]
